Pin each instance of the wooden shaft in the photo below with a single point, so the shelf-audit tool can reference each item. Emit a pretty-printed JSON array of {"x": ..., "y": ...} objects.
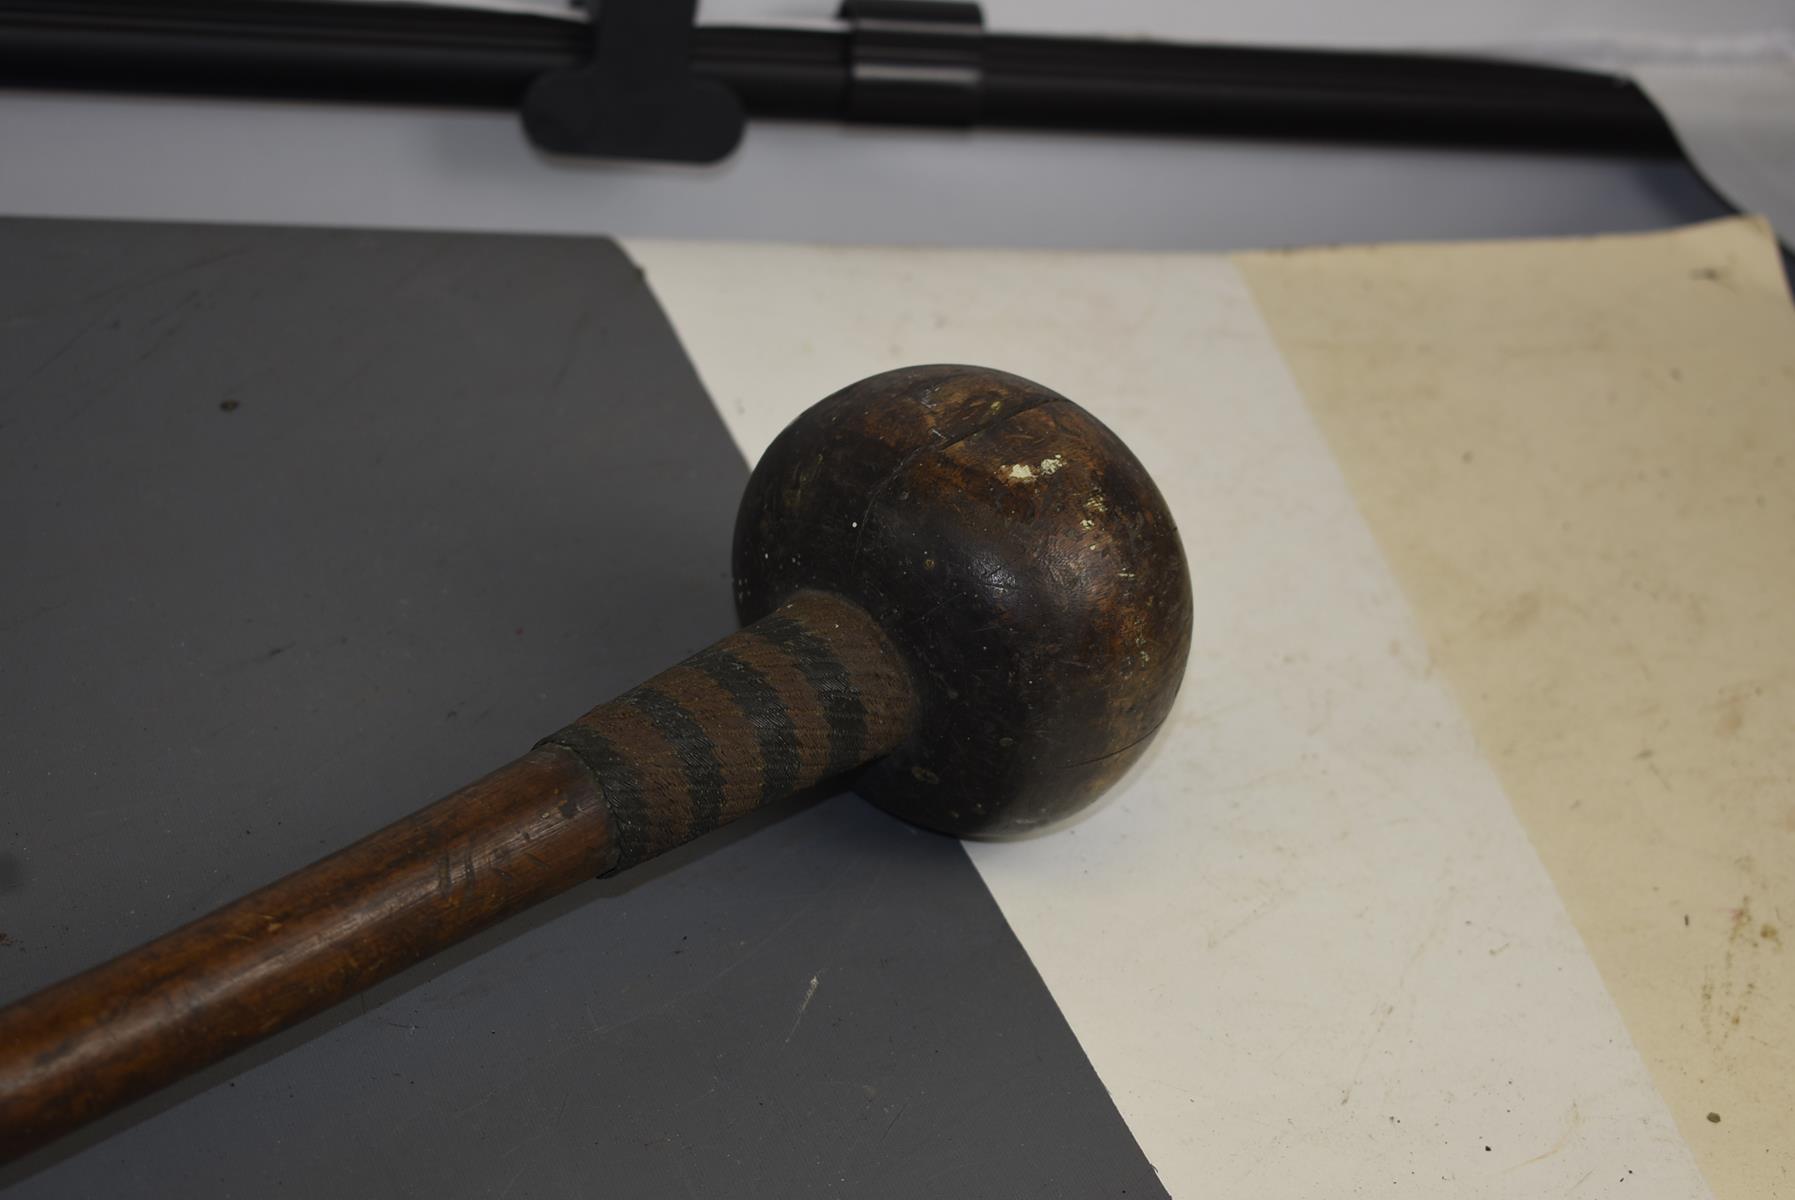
[{"x": 808, "y": 692}]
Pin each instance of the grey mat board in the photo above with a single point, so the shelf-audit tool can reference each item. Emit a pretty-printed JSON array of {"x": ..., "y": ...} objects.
[{"x": 301, "y": 529}]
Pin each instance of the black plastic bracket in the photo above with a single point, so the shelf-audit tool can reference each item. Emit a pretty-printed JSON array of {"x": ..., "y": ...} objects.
[
  {"x": 637, "y": 98},
  {"x": 914, "y": 62}
]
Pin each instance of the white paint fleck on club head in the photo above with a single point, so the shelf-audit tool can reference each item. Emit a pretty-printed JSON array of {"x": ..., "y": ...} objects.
[{"x": 1023, "y": 473}]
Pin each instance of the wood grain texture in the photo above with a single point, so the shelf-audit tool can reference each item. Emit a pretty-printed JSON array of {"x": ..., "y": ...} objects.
[
  {"x": 1018, "y": 555},
  {"x": 810, "y": 691}
]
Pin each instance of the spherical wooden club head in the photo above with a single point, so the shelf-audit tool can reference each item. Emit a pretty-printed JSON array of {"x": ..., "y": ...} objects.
[{"x": 1017, "y": 555}]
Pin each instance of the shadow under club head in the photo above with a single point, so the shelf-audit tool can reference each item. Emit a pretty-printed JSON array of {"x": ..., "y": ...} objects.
[{"x": 1018, "y": 556}]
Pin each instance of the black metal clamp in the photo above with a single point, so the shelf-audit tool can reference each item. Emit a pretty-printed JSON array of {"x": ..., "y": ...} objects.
[
  {"x": 638, "y": 97},
  {"x": 914, "y": 62}
]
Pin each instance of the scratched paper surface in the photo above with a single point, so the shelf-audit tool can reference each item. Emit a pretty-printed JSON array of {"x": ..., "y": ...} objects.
[{"x": 1577, "y": 458}]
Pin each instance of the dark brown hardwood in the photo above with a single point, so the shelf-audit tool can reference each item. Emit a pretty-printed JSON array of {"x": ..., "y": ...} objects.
[{"x": 811, "y": 690}]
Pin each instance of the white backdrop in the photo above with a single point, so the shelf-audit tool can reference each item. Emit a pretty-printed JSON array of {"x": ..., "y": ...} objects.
[{"x": 170, "y": 159}]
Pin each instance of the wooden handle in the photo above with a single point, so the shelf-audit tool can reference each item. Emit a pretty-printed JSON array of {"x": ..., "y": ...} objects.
[{"x": 808, "y": 692}]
